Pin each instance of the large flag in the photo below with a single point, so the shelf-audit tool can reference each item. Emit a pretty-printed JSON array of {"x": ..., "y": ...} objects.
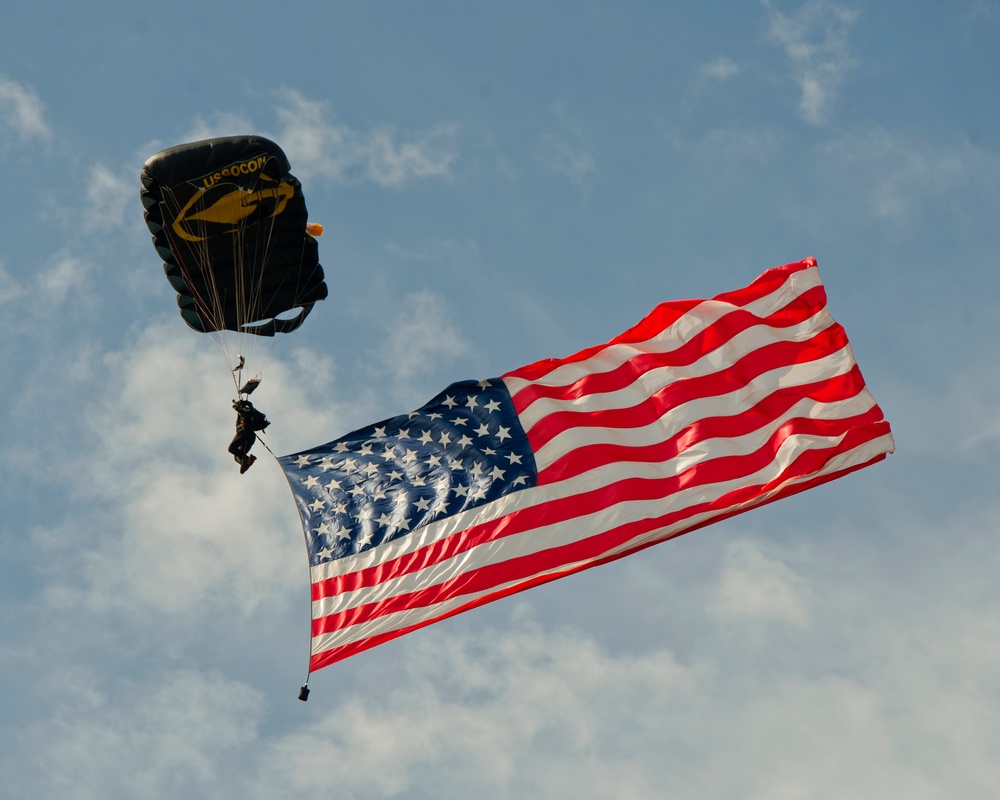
[{"x": 705, "y": 409}]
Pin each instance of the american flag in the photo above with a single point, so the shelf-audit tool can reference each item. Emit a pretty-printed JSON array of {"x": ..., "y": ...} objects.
[{"x": 705, "y": 409}]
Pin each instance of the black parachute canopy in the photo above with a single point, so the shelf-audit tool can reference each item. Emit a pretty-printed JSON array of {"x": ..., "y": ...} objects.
[{"x": 229, "y": 221}]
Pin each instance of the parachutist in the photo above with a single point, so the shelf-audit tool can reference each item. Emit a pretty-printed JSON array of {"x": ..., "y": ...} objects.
[
  {"x": 239, "y": 367},
  {"x": 248, "y": 421}
]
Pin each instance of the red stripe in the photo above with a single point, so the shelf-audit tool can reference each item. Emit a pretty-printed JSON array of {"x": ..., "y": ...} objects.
[
  {"x": 515, "y": 522},
  {"x": 684, "y": 390},
  {"x": 665, "y": 315},
  {"x": 590, "y": 456},
  {"x": 710, "y": 339},
  {"x": 630, "y": 489},
  {"x": 589, "y": 551}
]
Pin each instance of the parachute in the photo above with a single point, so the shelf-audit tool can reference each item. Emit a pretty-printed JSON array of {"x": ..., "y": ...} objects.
[{"x": 229, "y": 221}]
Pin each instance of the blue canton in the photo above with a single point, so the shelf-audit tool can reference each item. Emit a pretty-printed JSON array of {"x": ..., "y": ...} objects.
[{"x": 463, "y": 449}]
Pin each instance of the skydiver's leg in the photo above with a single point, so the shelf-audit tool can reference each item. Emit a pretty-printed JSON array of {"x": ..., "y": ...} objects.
[{"x": 238, "y": 447}]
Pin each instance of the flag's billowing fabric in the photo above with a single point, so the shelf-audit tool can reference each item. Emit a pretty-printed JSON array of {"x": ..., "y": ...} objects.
[{"x": 705, "y": 409}]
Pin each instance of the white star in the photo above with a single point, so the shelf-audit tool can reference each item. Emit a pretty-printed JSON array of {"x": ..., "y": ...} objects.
[
  {"x": 384, "y": 520},
  {"x": 423, "y": 504},
  {"x": 519, "y": 480},
  {"x": 365, "y": 538},
  {"x": 327, "y": 463},
  {"x": 478, "y": 493},
  {"x": 395, "y": 476},
  {"x": 460, "y": 491},
  {"x": 484, "y": 384},
  {"x": 323, "y": 529},
  {"x": 496, "y": 473},
  {"x": 380, "y": 432},
  {"x": 434, "y": 415},
  {"x": 366, "y": 449},
  {"x": 449, "y": 401},
  {"x": 350, "y": 465},
  {"x": 402, "y": 525},
  {"x": 445, "y": 439},
  {"x": 302, "y": 461},
  {"x": 425, "y": 437},
  {"x": 465, "y": 441},
  {"x": 476, "y": 470},
  {"x": 513, "y": 458},
  {"x": 316, "y": 504},
  {"x": 492, "y": 406},
  {"x": 343, "y": 533},
  {"x": 333, "y": 484},
  {"x": 503, "y": 433},
  {"x": 357, "y": 490},
  {"x": 342, "y": 447},
  {"x": 311, "y": 482},
  {"x": 471, "y": 405},
  {"x": 404, "y": 433},
  {"x": 483, "y": 430}
]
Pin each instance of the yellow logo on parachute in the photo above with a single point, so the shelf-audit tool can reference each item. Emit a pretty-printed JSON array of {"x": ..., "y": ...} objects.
[{"x": 229, "y": 209}]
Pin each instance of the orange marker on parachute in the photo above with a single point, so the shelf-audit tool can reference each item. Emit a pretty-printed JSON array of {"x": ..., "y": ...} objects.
[{"x": 314, "y": 229}]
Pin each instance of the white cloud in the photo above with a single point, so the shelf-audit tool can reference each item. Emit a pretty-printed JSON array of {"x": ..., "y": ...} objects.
[
  {"x": 108, "y": 196},
  {"x": 179, "y": 529},
  {"x": 896, "y": 179},
  {"x": 417, "y": 341},
  {"x": 221, "y": 123},
  {"x": 172, "y": 738},
  {"x": 43, "y": 297},
  {"x": 721, "y": 69},
  {"x": 11, "y": 289},
  {"x": 22, "y": 111},
  {"x": 317, "y": 146},
  {"x": 755, "y": 588},
  {"x": 815, "y": 39},
  {"x": 568, "y": 153}
]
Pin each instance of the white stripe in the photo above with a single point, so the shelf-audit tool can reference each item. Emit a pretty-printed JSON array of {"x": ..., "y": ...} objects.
[
  {"x": 697, "y": 319},
  {"x": 562, "y": 532},
  {"x": 604, "y": 520},
  {"x": 648, "y": 381},
  {"x": 680, "y": 416}
]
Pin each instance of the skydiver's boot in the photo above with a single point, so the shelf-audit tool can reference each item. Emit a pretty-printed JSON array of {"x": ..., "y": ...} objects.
[{"x": 247, "y": 463}]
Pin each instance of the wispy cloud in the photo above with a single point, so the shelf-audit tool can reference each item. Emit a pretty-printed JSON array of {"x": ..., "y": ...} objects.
[
  {"x": 898, "y": 178},
  {"x": 721, "y": 69},
  {"x": 567, "y": 152},
  {"x": 815, "y": 39},
  {"x": 418, "y": 338},
  {"x": 318, "y": 146},
  {"x": 108, "y": 195},
  {"x": 21, "y": 110},
  {"x": 755, "y": 588}
]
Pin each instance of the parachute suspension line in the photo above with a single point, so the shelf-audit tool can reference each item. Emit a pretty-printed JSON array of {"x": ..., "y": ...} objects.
[{"x": 210, "y": 306}]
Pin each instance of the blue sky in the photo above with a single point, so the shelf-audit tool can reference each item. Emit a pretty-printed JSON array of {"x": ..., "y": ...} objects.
[{"x": 499, "y": 183}]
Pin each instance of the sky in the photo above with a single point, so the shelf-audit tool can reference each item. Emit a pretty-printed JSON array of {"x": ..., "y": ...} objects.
[{"x": 499, "y": 183}]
